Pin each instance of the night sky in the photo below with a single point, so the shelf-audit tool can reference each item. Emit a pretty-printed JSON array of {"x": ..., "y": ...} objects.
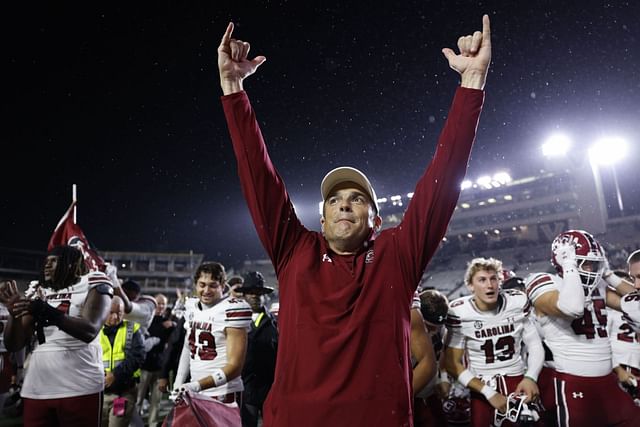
[{"x": 124, "y": 102}]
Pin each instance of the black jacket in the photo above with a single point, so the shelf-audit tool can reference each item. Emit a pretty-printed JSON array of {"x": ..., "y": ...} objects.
[
  {"x": 260, "y": 363},
  {"x": 154, "y": 358}
]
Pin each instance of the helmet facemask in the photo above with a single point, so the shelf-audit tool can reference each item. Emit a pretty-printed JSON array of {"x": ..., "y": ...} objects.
[{"x": 590, "y": 269}]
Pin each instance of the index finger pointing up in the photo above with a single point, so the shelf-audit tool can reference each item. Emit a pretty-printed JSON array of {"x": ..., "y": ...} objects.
[{"x": 227, "y": 35}]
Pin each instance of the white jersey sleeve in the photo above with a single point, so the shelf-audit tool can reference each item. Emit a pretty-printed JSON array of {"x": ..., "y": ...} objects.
[
  {"x": 142, "y": 311},
  {"x": 539, "y": 284}
]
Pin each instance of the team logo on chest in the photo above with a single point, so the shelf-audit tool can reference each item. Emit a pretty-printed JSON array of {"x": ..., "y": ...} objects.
[
  {"x": 477, "y": 324},
  {"x": 368, "y": 258}
]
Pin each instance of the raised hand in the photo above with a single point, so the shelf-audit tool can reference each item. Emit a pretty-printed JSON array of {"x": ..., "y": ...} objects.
[
  {"x": 10, "y": 296},
  {"x": 233, "y": 63},
  {"x": 474, "y": 58},
  {"x": 565, "y": 253}
]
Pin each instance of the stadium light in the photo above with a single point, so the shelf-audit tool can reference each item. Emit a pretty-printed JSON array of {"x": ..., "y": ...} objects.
[
  {"x": 607, "y": 152},
  {"x": 466, "y": 184},
  {"x": 484, "y": 181},
  {"x": 556, "y": 145},
  {"x": 502, "y": 177}
]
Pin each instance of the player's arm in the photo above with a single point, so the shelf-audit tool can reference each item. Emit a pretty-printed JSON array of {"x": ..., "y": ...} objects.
[
  {"x": 19, "y": 326},
  {"x": 88, "y": 325},
  {"x": 612, "y": 299},
  {"x": 183, "y": 364},
  {"x": 443, "y": 384},
  {"x": 422, "y": 352},
  {"x": 455, "y": 368},
  {"x": 18, "y": 332},
  {"x": 236, "y": 352},
  {"x": 621, "y": 286},
  {"x": 112, "y": 273},
  {"x": 535, "y": 360},
  {"x": 142, "y": 311}
]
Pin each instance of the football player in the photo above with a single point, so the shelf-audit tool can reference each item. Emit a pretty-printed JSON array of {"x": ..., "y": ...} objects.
[
  {"x": 428, "y": 401},
  {"x": 489, "y": 328},
  {"x": 570, "y": 308},
  {"x": 66, "y": 308},
  {"x": 216, "y": 338}
]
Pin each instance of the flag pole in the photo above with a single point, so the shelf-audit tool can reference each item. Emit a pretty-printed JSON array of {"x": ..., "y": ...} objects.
[{"x": 74, "y": 198}]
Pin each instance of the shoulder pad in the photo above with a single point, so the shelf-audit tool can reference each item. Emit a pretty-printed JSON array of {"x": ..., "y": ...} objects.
[
  {"x": 104, "y": 289},
  {"x": 536, "y": 280}
]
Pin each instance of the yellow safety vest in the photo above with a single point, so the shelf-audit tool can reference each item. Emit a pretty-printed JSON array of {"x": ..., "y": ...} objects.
[{"x": 113, "y": 356}]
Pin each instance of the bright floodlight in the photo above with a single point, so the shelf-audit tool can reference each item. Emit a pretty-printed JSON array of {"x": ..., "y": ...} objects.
[
  {"x": 466, "y": 184},
  {"x": 556, "y": 145},
  {"x": 484, "y": 181},
  {"x": 502, "y": 177},
  {"x": 607, "y": 151}
]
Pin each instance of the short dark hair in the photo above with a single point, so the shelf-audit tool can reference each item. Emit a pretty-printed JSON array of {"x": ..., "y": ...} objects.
[
  {"x": 434, "y": 306},
  {"x": 215, "y": 269},
  {"x": 131, "y": 286},
  {"x": 235, "y": 280},
  {"x": 514, "y": 283}
]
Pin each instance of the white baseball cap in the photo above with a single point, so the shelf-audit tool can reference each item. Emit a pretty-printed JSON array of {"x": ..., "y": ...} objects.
[{"x": 344, "y": 174}]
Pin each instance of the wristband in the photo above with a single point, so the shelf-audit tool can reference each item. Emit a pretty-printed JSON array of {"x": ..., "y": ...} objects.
[
  {"x": 465, "y": 377},
  {"x": 219, "y": 378},
  {"x": 443, "y": 377},
  {"x": 530, "y": 377},
  {"x": 488, "y": 392},
  {"x": 613, "y": 280}
]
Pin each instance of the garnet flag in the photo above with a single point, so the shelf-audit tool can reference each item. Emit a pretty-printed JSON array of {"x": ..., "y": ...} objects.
[{"x": 67, "y": 232}]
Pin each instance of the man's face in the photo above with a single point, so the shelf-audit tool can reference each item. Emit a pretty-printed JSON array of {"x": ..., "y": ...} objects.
[
  {"x": 161, "y": 306},
  {"x": 634, "y": 271},
  {"x": 255, "y": 300},
  {"x": 485, "y": 287},
  {"x": 50, "y": 264},
  {"x": 208, "y": 289},
  {"x": 116, "y": 314},
  {"x": 349, "y": 216}
]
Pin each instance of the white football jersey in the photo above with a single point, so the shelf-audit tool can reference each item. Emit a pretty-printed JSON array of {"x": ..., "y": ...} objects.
[
  {"x": 70, "y": 301},
  {"x": 630, "y": 306},
  {"x": 625, "y": 346},
  {"x": 580, "y": 346},
  {"x": 65, "y": 366},
  {"x": 493, "y": 340},
  {"x": 205, "y": 332}
]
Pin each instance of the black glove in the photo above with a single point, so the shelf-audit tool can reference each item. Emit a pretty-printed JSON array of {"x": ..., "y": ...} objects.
[{"x": 44, "y": 314}]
